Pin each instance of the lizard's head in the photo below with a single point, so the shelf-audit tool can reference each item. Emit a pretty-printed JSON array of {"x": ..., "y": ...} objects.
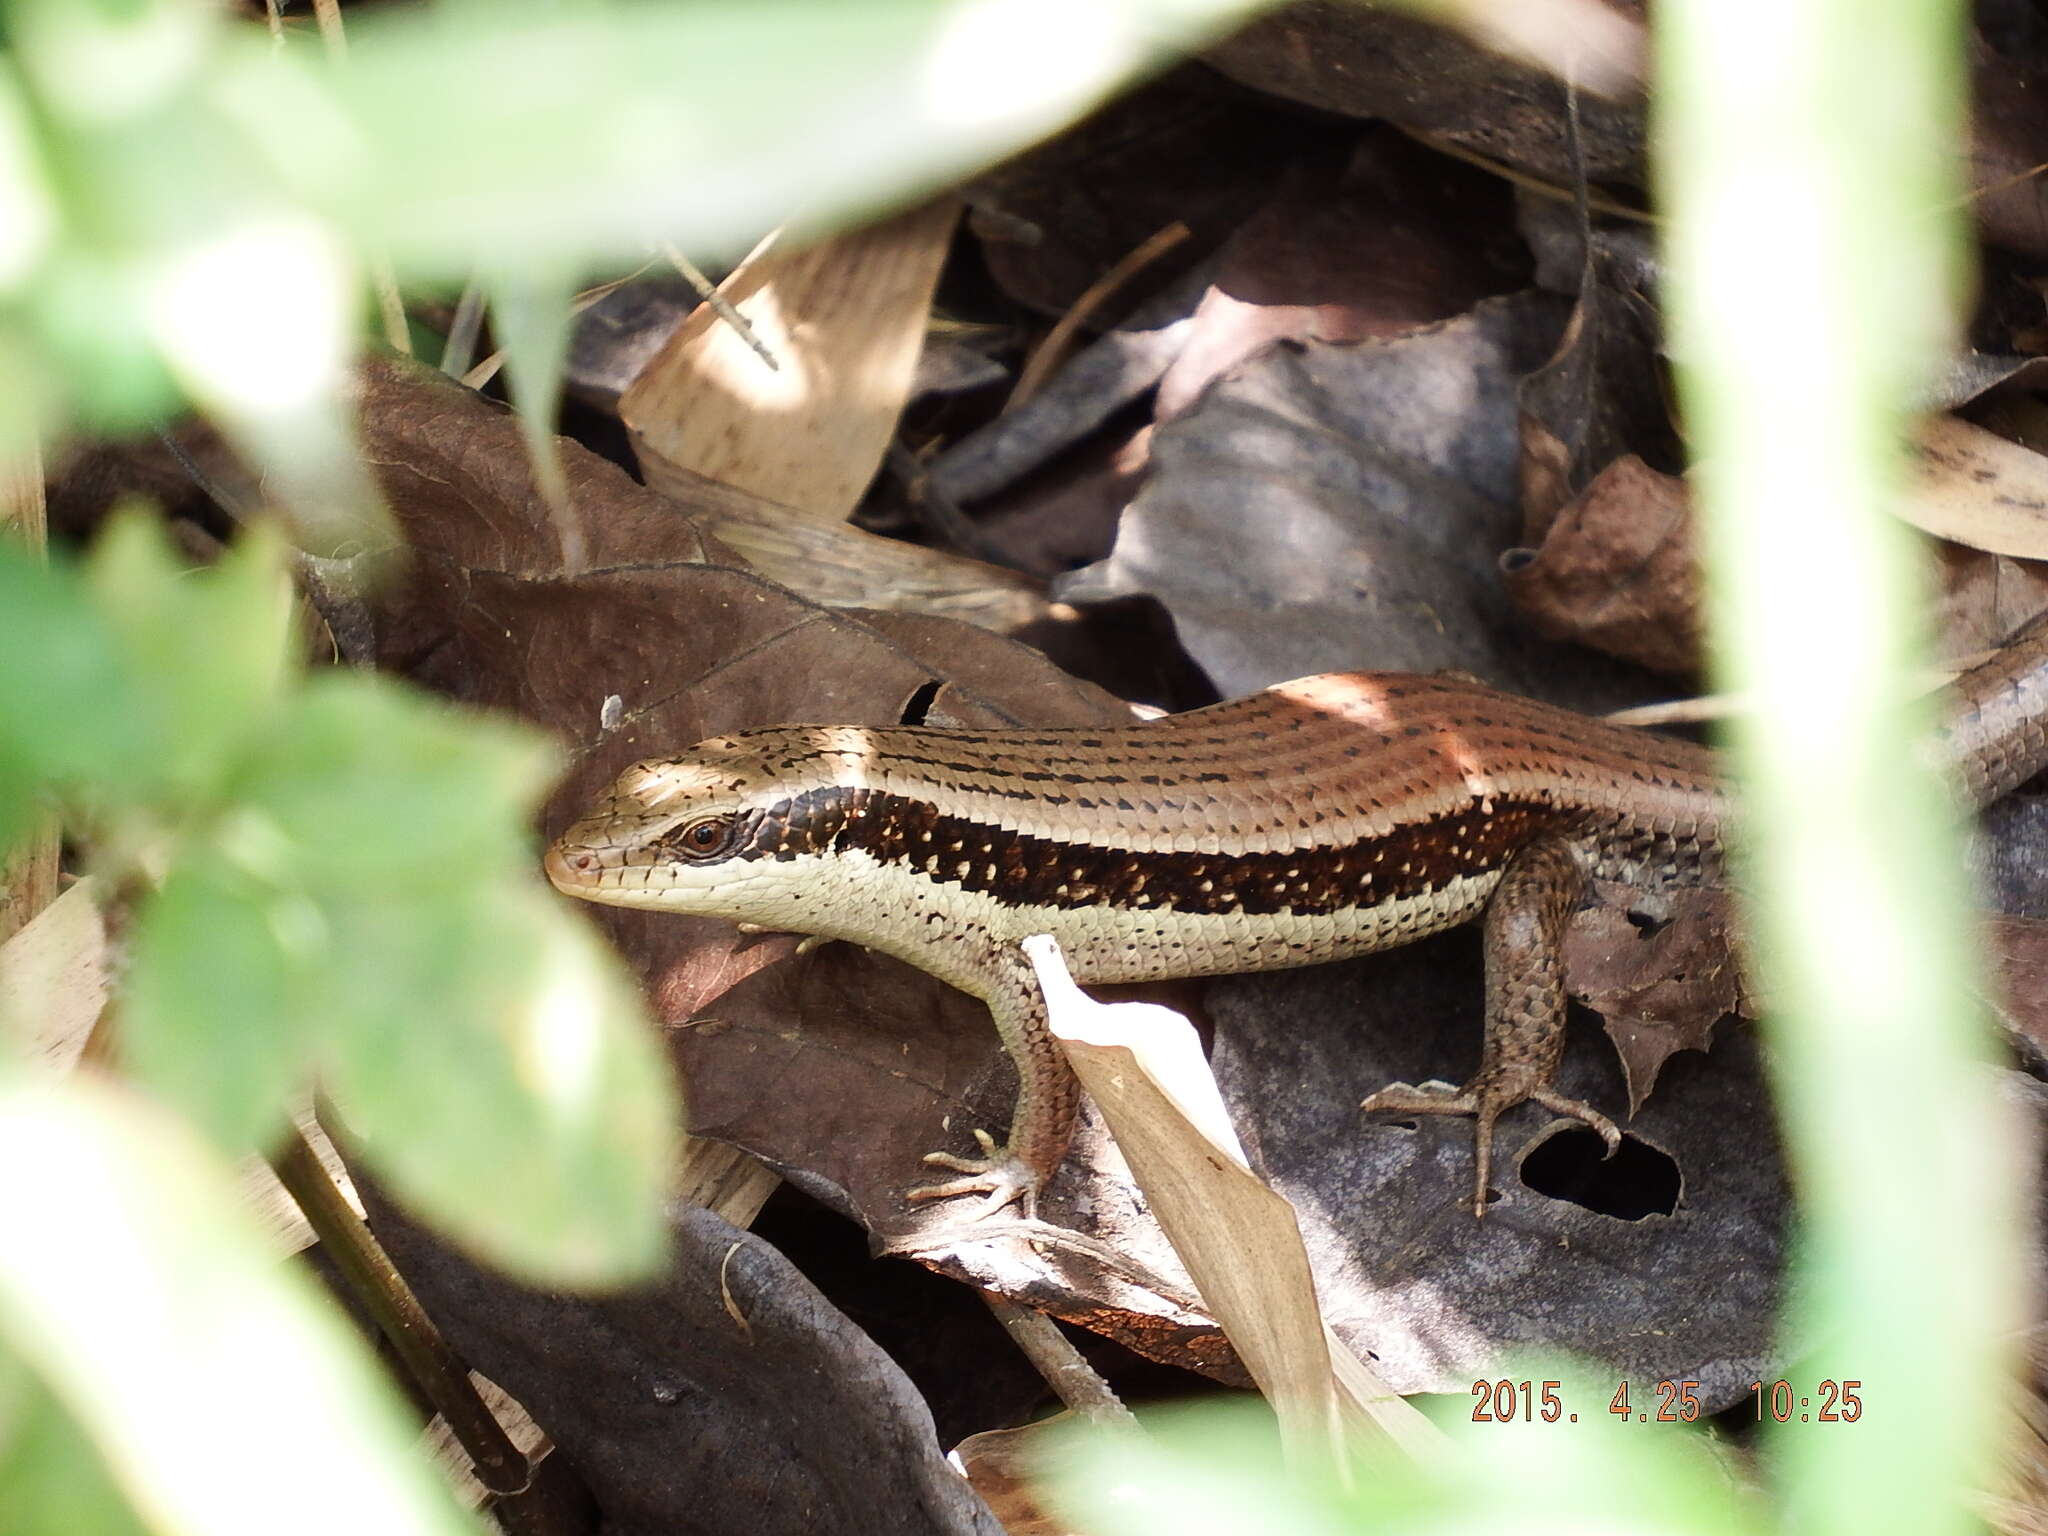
[{"x": 727, "y": 829}]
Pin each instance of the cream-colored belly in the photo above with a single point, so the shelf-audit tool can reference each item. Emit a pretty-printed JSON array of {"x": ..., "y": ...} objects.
[{"x": 956, "y": 934}]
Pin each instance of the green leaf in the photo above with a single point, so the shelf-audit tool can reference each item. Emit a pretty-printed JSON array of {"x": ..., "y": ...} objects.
[
  {"x": 494, "y": 1065},
  {"x": 372, "y": 790},
  {"x": 223, "y": 1391},
  {"x": 1215, "y": 1469},
  {"x": 68, "y": 709},
  {"x": 208, "y": 1020},
  {"x": 52, "y": 1480},
  {"x": 566, "y": 131},
  {"x": 482, "y": 1044},
  {"x": 208, "y": 650},
  {"x": 28, "y": 214}
]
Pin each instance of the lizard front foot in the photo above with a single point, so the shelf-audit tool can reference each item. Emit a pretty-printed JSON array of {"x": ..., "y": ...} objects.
[
  {"x": 999, "y": 1173},
  {"x": 1486, "y": 1103}
]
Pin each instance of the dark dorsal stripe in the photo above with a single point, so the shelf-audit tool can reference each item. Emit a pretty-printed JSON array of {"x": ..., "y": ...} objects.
[{"x": 1026, "y": 870}]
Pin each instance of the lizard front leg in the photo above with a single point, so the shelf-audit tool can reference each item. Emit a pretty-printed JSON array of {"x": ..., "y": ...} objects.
[
  {"x": 1525, "y": 1009},
  {"x": 1048, "y": 1099}
]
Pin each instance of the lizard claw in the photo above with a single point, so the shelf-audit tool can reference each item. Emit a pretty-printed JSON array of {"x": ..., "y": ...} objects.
[
  {"x": 999, "y": 1173},
  {"x": 1486, "y": 1103}
]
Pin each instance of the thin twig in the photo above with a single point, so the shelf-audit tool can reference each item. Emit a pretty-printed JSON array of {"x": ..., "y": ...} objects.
[
  {"x": 529, "y": 1498},
  {"x": 1073, "y": 1380},
  {"x": 1598, "y": 202},
  {"x": 487, "y": 370},
  {"x": 721, "y": 306},
  {"x": 1059, "y": 341},
  {"x": 464, "y": 330}
]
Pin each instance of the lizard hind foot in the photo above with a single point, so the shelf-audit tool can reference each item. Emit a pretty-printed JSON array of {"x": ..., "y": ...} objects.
[
  {"x": 998, "y": 1173},
  {"x": 1486, "y": 1105}
]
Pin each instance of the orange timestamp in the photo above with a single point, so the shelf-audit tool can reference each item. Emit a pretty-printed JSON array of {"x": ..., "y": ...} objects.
[{"x": 1671, "y": 1402}]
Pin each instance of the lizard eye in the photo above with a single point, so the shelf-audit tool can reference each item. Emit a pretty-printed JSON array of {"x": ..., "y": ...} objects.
[{"x": 704, "y": 839}]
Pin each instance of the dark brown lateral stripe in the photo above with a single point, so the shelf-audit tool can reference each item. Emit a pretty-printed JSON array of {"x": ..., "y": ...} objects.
[{"x": 1025, "y": 870}]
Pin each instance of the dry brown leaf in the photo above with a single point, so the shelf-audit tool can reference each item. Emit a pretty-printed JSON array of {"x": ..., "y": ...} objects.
[
  {"x": 1658, "y": 992},
  {"x": 845, "y": 319},
  {"x": 1616, "y": 569},
  {"x": 1002, "y": 1465},
  {"x": 1144, "y": 1068},
  {"x": 842, "y": 566}
]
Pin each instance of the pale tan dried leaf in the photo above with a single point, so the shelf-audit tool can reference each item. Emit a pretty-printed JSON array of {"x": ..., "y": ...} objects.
[
  {"x": 1144, "y": 1068},
  {"x": 1979, "y": 489},
  {"x": 845, "y": 319},
  {"x": 53, "y": 980}
]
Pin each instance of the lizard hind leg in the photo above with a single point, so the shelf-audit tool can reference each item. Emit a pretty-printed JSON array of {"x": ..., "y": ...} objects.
[{"x": 1525, "y": 1011}]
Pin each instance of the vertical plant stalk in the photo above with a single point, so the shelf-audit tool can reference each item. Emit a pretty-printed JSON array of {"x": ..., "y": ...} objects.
[
  {"x": 1808, "y": 159},
  {"x": 530, "y": 1502},
  {"x": 28, "y": 880}
]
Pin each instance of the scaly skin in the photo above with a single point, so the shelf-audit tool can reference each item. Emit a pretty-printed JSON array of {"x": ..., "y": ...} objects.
[{"x": 1326, "y": 817}]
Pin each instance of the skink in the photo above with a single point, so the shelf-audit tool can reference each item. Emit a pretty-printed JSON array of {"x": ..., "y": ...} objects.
[{"x": 1326, "y": 817}]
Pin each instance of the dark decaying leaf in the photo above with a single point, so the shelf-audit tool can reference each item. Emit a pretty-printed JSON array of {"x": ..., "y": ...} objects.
[
  {"x": 1598, "y": 397},
  {"x": 2009, "y": 133},
  {"x": 612, "y": 342},
  {"x": 1389, "y": 240},
  {"x": 729, "y": 1396},
  {"x": 1371, "y": 62},
  {"x": 1665, "y": 1260},
  {"x": 1184, "y": 148},
  {"x": 1328, "y": 508}
]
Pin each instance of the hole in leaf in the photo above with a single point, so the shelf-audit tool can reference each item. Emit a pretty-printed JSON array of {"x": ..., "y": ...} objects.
[
  {"x": 918, "y": 706},
  {"x": 1572, "y": 1165},
  {"x": 1648, "y": 924}
]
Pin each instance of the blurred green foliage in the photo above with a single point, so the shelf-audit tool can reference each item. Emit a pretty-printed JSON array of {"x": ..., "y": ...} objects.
[
  {"x": 347, "y": 888},
  {"x": 333, "y": 878}
]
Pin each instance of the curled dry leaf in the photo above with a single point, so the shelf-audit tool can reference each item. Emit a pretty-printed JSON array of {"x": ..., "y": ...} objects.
[
  {"x": 1600, "y": 395},
  {"x": 1979, "y": 489},
  {"x": 1617, "y": 570},
  {"x": 1661, "y": 991},
  {"x": 1238, "y": 1238},
  {"x": 1396, "y": 239}
]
